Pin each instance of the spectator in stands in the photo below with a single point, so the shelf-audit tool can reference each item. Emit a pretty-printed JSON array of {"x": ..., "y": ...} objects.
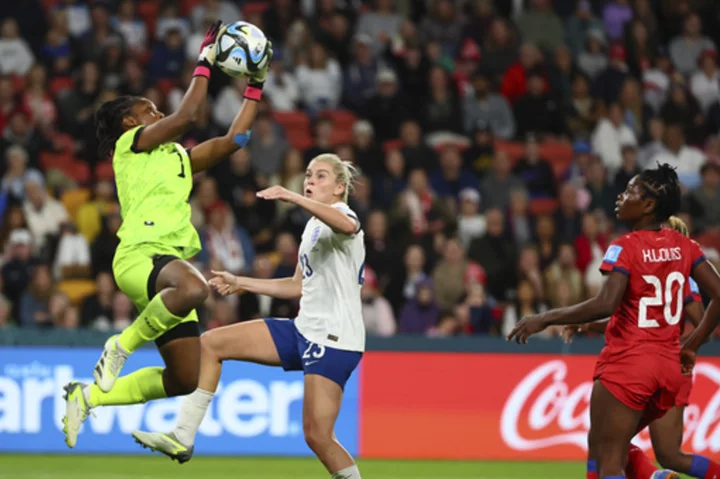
[
  {"x": 34, "y": 303},
  {"x": 452, "y": 177},
  {"x": 602, "y": 194},
  {"x": 416, "y": 152},
  {"x": 278, "y": 19},
  {"x": 380, "y": 23},
  {"x": 78, "y": 16},
  {"x": 267, "y": 147},
  {"x": 528, "y": 269},
  {"x": 610, "y": 135},
  {"x": 92, "y": 43},
  {"x": 520, "y": 223},
  {"x": 608, "y": 83},
  {"x": 359, "y": 76},
  {"x": 441, "y": 111},
  {"x": 37, "y": 100},
  {"x": 578, "y": 168},
  {"x": 169, "y": 19},
  {"x": 388, "y": 108},
  {"x": 495, "y": 254},
  {"x": 229, "y": 102},
  {"x": 253, "y": 306},
  {"x": 412, "y": 67},
  {"x": 568, "y": 217},
  {"x": 535, "y": 172},
  {"x": 420, "y": 313},
  {"x": 449, "y": 274},
  {"x": 498, "y": 183},
  {"x": 12, "y": 219},
  {"x": 281, "y": 86},
  {"x": 560, "y": 74},
  {"x": 43, "y": 213},
  {"x": 541, "y": 25},
  {"x": 563, "y": 269},
  {"x": 628, "y": 169},
  {"x": 687, "y": 48},
  {"x": 686, "y": 159},
  {"x": 500, "y": 50},
  {"x": 593, "y": 60},
  {"x": 136, "y": 82},
  {"x": 62, "y": 314},
  {"x": 226, "y": 244},
  {"x": 286, "y": 248},
  {"x": 97, "y": 309},
  {"x": 20, "y": 131},
  {"x": 89, "y": 216},
  {"x": 132, "y": 28},
  {"x": 223, "y": 10},
  {"x": 335, "y": 34},
  {"x": 16, "y": 57},
  {"x": 323, "y": 139},
  {"x": 406, "y": 276},
  {"x": 17, "y": 267},
  {"x": 526, "y": 304},
  {"x": 222, "y": 314},
  {"x": 488, "y": 109},
  {"x": 377, "y": 313},
  {"x": 641, "y": 48},
  {"x": 578, "y": 109},
  {"x": 168, "y": 56},
  {"x": 590, "y": 244},
  {"x": 682, "y": 108},
  {"x": 471, "y": 223},
  {"x": 17, "y": 174},
  {"x": 656, "y": 80},
  {"x": 72, "y": 257},
  {"x": 103, "y": 248},
  {"x": 546, "y": 239},
  {"x": 5, "y": 314},
  {"x": 77, "y": 107},
  {"x": 389, "y": 184},
  {"x": 380, "y": 251},
  {"x": 654, "y": 145},
  {"x": 705, "y": 83},
  {"x": 514, "y": 83},
  {"x": 616, "y": 14},
  {"x": 644, "y": 13},
  {"x": 703, "y": 200},
  {"x": 123, "y": 312},
  {"x": 636, "y": 112},
  {"x": 579, "y": 25},
  {"x": 442, "y": 25},
  {"x": 418, "y": 210},
  {"x": 479, "y": 157},
  {"x": 7, "y": 101},
  {"x": 537, "y": 111},
  {"x": 319, "y": 81},
  {"x": 291, "y": 176},
  {"x": 364, "y": 150}
]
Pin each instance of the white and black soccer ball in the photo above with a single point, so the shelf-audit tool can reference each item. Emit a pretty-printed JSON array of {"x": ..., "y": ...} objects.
[{"x": 241, "y": 50}]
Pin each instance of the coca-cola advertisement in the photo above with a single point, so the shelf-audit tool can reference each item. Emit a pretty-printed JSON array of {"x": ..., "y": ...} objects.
[{"x": 501, "y": 406}]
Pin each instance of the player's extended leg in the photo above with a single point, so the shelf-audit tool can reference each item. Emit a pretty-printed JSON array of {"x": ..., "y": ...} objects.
[
  {"x": 170, "y": 287},
  {"x": 667, "y": 434},
  {"x": 321, "y": 407},
  {"x": 250, "y": 341},
  {"x": 612, "y": 426}
]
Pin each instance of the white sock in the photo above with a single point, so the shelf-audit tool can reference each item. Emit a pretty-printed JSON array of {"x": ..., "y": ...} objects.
[
  {"x": 351, "y": 472},
  {"x": 192, "y": 412}
]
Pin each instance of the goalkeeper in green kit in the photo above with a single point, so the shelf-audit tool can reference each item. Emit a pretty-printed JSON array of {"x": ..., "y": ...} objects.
[{"x": 154, "y": 179}]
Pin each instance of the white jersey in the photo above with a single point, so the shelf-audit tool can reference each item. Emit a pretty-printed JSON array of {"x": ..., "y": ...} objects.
[{"x": 333, "y": 269}]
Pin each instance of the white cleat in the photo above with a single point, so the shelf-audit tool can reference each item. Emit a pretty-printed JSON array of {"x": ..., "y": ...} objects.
[
  {"x": 168, "y": 444},
  {"x": 77, "y": 410},
  {"x": 110, "y": 364}
]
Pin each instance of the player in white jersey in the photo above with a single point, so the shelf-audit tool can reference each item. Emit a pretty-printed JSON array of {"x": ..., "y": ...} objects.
[{"x": 326, "y": 340}]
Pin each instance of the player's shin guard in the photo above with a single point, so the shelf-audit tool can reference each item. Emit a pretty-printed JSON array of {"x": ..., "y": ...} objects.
[
  {"x": 704, "y": 468},
  {"x": 639, "y": 466},
  {"x": 150, "y": 325},
  {"x": 591, "y": 470},
  {"x": 136, "y": 388}
]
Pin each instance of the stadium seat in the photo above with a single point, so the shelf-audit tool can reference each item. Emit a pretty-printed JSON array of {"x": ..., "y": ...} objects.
[
  {"x": 64, "y": 142},
  {"x": 543, "y": 206},
  {"x": 18, "y": 83},
  {"x": 60, "y": 84},
  {"x": 556, "y": 152},
  {"x": 299, "y": 140},
  {"x": 515, "y": 151},
  {"x": 73, "y": 199},
  {"x": 254, "y": 8},
  {"x": 104, "y": 171},
  {"x": 341, "y": 136},
  {"x": 77, "y": 289},
  {"x": 294, "y": 122},
  {"x": 392, "y": 145},
  {"x": 342, "y": 119}
]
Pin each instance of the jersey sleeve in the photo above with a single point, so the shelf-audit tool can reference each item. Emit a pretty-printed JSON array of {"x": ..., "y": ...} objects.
[
  {"x": 346, "y": 209},
  {"x": 692, "y": 292},
  {"x": 617, "y": 258},
  {"x": 127, "y": 143},
  {"x": 697, "y": 255}
]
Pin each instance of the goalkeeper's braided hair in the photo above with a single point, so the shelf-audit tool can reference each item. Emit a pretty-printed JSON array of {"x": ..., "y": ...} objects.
[
  {"x": 662, "y": 183},
  {"x": 108, "y": 122}
]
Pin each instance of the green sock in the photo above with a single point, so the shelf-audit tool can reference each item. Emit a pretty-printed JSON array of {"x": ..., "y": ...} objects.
[
  {"x": 151, "y": 324},
  {"x": 136, "y": 388}
]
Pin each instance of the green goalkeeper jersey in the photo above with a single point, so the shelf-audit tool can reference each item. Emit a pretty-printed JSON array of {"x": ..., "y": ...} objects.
[{"x": 153, "y": 188}]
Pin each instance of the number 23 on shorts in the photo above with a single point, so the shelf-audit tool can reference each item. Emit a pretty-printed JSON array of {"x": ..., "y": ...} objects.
[{"x": 310, "y": 356}]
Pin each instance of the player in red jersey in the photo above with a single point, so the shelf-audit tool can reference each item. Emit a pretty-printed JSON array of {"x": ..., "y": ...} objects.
[
  {"x": 639, "y": 373},
  {"x": 666, "y": 432}
]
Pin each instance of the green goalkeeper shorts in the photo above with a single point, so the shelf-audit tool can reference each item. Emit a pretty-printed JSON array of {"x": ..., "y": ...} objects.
[{"x": 136, "y": 269}]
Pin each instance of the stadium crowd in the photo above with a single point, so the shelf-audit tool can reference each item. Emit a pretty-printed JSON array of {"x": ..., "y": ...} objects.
[{"x": 493, "y": 137}]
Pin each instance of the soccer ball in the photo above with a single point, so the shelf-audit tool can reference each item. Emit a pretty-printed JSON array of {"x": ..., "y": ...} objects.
[{"x": 241, "y": 50}]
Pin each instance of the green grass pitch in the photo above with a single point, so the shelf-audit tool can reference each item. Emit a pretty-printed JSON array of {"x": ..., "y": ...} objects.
[{"x": 73, "y": 466}]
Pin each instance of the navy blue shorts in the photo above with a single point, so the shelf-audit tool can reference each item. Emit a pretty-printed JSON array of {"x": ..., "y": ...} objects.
[{"x": 298, "y": 354}]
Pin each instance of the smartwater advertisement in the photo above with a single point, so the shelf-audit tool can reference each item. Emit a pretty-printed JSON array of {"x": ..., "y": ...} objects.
[{"x": 257, "y": 410}]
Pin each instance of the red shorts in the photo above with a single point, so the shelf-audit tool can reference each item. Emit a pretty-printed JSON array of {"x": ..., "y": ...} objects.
[{"x": 643, "y": 381}]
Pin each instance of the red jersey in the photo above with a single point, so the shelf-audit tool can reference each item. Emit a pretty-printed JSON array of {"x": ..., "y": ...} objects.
[{"x": 658, "y": 265}]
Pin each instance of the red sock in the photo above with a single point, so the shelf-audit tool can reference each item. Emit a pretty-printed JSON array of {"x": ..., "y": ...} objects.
[
  {"x": 591, "y": 470},
  {"x": 639, "y": 466}
]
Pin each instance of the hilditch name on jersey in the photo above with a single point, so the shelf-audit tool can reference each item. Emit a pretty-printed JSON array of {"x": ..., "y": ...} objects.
[{"x": 662, "y": 255}]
